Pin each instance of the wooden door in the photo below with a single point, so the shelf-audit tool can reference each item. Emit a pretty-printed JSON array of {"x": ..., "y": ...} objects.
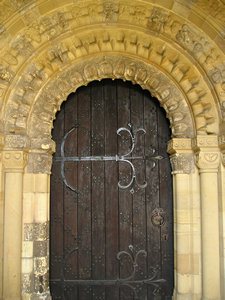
[{"x": 111, "y": 196}]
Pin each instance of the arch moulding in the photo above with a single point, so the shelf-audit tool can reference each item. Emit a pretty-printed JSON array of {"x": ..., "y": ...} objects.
[
  {"x": 149, "y": 77},
  {"x": 186, "y": 141},
  {"x": 31, "y": 131},
  {"x": 55, "y": 50}
]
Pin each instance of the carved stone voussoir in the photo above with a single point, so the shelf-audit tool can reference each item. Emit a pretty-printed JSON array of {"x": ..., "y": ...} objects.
[
  {"x": 43, "y": 143},
  {"x": 39, "y": 162},
  {"x": 147, "y": 76},
  {"x": 182, "y": 163},
  {"x": 14, "y": 160},
  {"x": 110, "y": 11}
]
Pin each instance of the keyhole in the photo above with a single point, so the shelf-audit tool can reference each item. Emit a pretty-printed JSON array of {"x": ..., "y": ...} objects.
[{"x": 165, "y": 237}]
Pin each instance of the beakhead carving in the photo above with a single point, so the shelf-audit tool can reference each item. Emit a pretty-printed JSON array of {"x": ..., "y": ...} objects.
[
  {"x": 146, "y": 76},
  {"x": 51, "y": 60},
  {"x": 47, "y": 54}
]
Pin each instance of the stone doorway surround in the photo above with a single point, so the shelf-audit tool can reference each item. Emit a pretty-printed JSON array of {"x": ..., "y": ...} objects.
[{"x": 172, "y": 48}]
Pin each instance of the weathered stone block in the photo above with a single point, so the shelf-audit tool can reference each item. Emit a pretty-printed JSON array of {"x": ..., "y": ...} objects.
[{"x": 40, "y": 248}]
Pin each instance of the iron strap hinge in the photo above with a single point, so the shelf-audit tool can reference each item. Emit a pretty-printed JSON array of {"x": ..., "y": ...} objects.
[{"x": 126, "y": 158}]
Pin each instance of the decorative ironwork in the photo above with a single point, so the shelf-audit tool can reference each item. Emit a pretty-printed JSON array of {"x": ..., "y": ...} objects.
[
  {"x": 129, "y": 281},
  {"x": 158, "y": 217},
  {"x": 126, "y": 158}
]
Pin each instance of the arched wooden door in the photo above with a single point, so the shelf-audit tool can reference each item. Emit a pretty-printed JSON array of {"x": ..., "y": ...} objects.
[{"x": 111, "y": 196}]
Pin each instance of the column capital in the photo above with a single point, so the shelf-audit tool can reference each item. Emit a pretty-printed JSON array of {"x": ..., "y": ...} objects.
[
  {"x": 222, "y": 147},
  {"x": 39, "y": 162},
  {"x": 207, "y": 156},
  {"x": 182, "y": 163},
  {"x": 14, "y": 161},
  {"x": 207, "y": 161},
  {"x": 181, "y": 157}
]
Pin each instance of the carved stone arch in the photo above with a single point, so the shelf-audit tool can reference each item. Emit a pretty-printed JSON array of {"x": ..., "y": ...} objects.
[
  {"x": 51, "y": 62},
  {"x": 173, "y": 43},
  {"x": 185, "y": 37},
  {"x": 177, "y": 43},
  {"x": 147, "y": 76}
]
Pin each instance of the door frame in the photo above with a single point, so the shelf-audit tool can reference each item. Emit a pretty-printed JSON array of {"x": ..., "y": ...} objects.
[
  {"x": 141, "y": 104},
  {"x": 195, "y": 161}
]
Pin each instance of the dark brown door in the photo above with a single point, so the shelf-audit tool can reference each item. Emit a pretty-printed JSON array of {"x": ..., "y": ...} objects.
[{"x": 111, "y": 196}]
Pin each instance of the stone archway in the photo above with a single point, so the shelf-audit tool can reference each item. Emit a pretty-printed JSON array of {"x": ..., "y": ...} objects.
[
  {"x": 187, "y": 194},
  {"x": 188, "y": 251},
  {"x": 175, "y": 50}
]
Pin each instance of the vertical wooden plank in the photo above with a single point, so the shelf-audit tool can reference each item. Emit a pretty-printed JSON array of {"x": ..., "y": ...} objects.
[
  {"x": 97, "y": 214},
  {"x": 98, "y": 201},
  {"x": 111, "y": 187},
  {"x": 70, "y": 199},
  {"x": 84, "y": 188},
  {"x": 56, "y": 209},
  {"x": 125, "y": 197},
  {"x": 166, "y": 204},
  {"x": 152, "y": 189},
  {"x": 139, "y": 217}
]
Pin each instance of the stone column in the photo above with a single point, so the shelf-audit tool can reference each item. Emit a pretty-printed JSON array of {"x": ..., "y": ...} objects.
[
  {"x": 1, "y": 216},
  {"x": 222, "y": 212},
  {"x": 35, "y": 255},
  {"x": 207, "y": 160},
  {"x": 186, "y": 221},
  {"x": 13, "y": 164}
]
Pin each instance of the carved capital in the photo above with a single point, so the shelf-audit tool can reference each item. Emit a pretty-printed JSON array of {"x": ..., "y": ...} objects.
[
  {"x": 176, "y": 145},
  {"x": 207, "y": 161},
  {"x": 207, "y": 156},
  {"x": 39, "y": 162},
  {"x": 181, "y": 158},
  {"x": 14, "y": 161},
  {"x": 182, "y": 163}
]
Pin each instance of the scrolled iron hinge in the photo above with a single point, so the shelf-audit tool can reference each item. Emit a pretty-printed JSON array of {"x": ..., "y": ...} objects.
[{"x": 126, "y": 158}]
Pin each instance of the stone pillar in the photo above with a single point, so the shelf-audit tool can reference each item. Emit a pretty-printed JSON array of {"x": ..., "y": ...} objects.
[
  {"x": 207, "y": 160},
  {"x": 13, "y": 164},
  {"x": 35, "y": 255},
  {"x": 1, "y": 217},
  {"x": 222, "y": 213},
  {"x": 186, "y": 220}
]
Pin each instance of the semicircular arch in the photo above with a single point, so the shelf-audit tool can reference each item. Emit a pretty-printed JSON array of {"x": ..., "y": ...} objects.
[{"x": 172, "y": 48}]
